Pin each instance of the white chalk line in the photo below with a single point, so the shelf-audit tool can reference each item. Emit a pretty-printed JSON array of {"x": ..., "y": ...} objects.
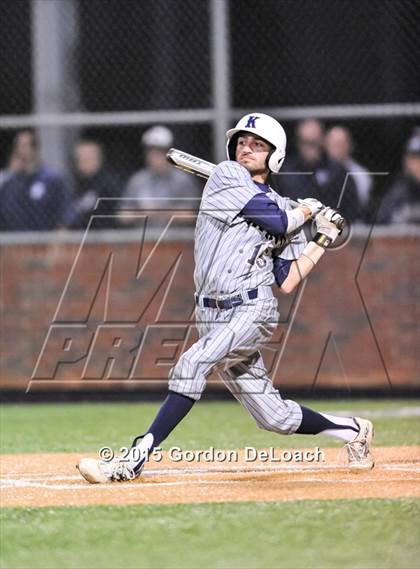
[
  {"x": 399, "y": 468},
  {"x": 193, "y": 471},
  {"x": 45, "y": 481},
  {"x": 129, "y": 486}
]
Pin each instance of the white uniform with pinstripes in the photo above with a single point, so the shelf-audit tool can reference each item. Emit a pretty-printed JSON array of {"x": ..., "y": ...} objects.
[{"x": 233, "y": 256}]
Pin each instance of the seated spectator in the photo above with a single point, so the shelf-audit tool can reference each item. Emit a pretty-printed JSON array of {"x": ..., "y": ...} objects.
[
  {"x": 33, "y": 197},
  {"x": 91, "y": 182},
  {"x": 311, "y": 173},
  {"x": 339, "y": 147},
  {"x": 159, "y": 186},
  {"x": 401, "y": 203}
]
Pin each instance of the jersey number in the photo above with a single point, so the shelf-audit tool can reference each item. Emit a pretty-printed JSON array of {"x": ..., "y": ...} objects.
[{"x": 256, "y": 257}]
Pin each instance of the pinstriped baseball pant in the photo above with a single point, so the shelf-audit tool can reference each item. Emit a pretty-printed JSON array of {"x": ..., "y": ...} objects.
[{"x": 229, "y": 343}]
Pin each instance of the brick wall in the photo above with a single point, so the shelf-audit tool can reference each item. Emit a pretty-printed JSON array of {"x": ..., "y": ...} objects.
[{"x": 97, "y": 316}]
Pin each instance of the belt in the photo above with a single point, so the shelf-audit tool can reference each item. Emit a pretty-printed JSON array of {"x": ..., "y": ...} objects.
[{"x": 226, "y": 303}]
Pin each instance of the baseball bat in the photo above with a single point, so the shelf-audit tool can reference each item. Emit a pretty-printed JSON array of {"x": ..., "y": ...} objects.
[
  {"x": 190, "y": 163},
  {"x": 194, "y": 165}
]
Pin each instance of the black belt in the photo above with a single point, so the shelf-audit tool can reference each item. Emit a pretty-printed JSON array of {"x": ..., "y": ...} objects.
[{"x": 226, "y": 303}]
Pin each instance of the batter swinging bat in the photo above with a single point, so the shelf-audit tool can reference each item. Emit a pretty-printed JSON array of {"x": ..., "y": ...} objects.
[{"x": 199, "y": 167}]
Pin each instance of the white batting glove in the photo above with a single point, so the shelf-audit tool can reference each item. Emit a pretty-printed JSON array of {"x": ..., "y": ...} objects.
[
  {"x": 313, "y": 204},
  {"x": 327, "y": 231},
  {"x": 335, "y": 217}
]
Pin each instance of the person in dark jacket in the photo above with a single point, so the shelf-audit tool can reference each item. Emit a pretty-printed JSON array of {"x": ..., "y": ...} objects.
[
  {"x": 311, "y": 173},
  {"x": 93, "y": 184},
  {"x": 401, "y": 203},
  {"x": 32, "y": 197}
]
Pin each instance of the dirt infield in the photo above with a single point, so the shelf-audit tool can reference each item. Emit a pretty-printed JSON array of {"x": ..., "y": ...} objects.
[{"x": 32, "y": 480}]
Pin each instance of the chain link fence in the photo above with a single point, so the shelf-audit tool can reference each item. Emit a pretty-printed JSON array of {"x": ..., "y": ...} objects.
[
  {"x": 83, "y": 83},
  {"x": 334, "y": 52},
  {"x": 106, "y": 72}
]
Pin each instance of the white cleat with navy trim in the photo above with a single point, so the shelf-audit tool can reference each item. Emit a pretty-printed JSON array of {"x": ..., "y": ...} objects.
[
  {"x": 99, "y": 472},
  {"x": 119, "y": 469}
]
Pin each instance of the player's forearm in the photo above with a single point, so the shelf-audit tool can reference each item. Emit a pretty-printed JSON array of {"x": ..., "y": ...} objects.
[
  {"x": 297, "y": 217},
  {"x": 329, "y": 225},
  {"x": 301, "y": 268}
]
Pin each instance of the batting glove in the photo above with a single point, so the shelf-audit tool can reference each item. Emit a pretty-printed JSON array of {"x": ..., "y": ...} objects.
[
  {"x": 313, "y": 204},
  {"x": 335, "y": 217},
  {"x": 327, "y": 231}
]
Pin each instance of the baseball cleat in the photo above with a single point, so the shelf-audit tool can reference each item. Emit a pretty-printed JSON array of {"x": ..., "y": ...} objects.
[
  {"x": 100, "y": 472},
  {"x": 359, "y": 453},
  {"x": 118, "y": 469}
]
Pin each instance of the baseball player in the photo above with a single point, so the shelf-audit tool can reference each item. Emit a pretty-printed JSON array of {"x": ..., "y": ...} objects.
[{"x": 247, "y": 237}]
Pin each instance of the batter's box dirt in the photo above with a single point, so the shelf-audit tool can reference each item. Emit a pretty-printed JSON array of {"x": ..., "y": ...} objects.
[{"x": 33, "y": 480}]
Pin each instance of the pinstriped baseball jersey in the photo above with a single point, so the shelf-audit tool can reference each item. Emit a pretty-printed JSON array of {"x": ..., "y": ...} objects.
[{"x": 232, "y": 254}]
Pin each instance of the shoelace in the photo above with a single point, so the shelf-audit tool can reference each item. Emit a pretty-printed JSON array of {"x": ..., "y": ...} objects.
[
  {"x": 357, "y": 450},
  {"x": 122, "y": 472}
]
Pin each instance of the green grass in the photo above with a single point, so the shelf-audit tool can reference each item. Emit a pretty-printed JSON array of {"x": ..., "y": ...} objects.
[
  {"x": 359, "y": 534},
  {"x": 87, "y": 427}
]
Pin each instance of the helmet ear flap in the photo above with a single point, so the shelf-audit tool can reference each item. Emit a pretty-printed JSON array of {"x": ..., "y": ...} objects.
[
  {"x": 275, "y": 161},
  {"x": 231, "y": 147},
  {"x": 267, "y": 160}
]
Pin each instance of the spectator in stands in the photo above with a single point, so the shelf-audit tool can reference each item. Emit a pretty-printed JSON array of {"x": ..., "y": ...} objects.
[
  {"x": 33, "y": 197},
  {"x": 311, "y": 173},
  {"x": 13, "y": 166},
  {"x": 401, "y": 203},
  {"x": 339, "y": 147},
  {"x": 93, "y": 181},
  {"x": 159, "y": 185}
]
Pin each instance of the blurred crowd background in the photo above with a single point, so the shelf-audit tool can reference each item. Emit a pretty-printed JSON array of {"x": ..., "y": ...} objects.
[{"x": 93, "y": 94}]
